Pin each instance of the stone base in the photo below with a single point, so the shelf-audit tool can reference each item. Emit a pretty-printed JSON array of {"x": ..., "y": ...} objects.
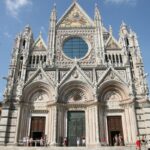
[{"x": 71, "y": 148}]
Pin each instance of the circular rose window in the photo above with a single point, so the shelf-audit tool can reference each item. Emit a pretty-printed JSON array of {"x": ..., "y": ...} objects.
[{"x": 75, "y": 47}]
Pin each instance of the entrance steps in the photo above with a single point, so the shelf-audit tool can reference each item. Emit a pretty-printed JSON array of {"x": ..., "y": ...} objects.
[{"x": 70, "y": 148}]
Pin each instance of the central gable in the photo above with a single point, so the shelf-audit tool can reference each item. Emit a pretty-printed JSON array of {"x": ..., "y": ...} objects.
[{"x": 75, "y": 16}]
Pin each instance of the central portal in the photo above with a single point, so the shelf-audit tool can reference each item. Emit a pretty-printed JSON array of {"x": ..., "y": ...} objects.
[{"x": 76, "y": 128}]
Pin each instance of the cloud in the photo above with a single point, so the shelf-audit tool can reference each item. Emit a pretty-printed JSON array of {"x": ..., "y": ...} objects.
[
  {"x": 118, "y": 2},
  {"x": 14, "y": 6},
  {"x": 7, "y": 35}
]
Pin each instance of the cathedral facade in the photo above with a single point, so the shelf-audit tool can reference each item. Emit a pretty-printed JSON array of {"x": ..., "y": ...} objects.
[{"x": 82, "y": 84}]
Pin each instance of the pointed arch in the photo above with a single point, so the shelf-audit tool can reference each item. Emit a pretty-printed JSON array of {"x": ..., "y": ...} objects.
[
  {"x": 34, "y": 87},
  {"x": 113, "y": 85},
  {"x": 75, "y": 91}
]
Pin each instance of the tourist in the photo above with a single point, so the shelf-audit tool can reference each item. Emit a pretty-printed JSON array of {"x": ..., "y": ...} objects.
[
  {"x": 116, "y": 140},
  {"x": 78, "y": 141},
  {"x": 24, "y": 141},
  {"x": 120, "y": 138},
  {"x": 30, "y": 141},
  {"x": 41, "y": 142},
  {"x": 138, "y": 144},
  {"x": 65, "y": 142},
  {"x": 27, "y": 141},
  {"x": 83, "y": 141}
]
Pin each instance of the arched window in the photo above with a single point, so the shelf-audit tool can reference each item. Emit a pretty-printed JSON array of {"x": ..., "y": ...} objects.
[
  {"x": 24, "y": 43},
  {"x": 45, "y": 58},
  {"x": 127, "y": 41},
  {"x": 33, "y": 59},
  {"x": 30, "y": 60},
  {"x": 120, "y": 58},
  {"x": 113, "y": 58},
  {"x": 106, "y": 58},
  {"x": 117, "y": 59},
  {"x": 110, "y": 58},
  {"x": 37, "y": 60}
]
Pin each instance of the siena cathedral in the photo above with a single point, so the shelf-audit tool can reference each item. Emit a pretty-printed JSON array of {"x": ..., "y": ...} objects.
[{"x": 82, "y": 84}]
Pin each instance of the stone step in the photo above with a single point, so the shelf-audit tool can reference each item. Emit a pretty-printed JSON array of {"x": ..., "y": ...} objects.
[{"x": 71, "y": 148}]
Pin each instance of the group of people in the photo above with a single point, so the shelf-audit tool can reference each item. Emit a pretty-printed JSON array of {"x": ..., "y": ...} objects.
[
  {"x": 79, "y": 141},
  {"x": 118, "y": 140},
  {"x": 30, "y": 142}
]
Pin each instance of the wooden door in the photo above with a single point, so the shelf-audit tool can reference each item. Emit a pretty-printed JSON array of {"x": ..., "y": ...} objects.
[
  {"x": 114, "y": 128},
  {"x": 37, "y": 127}
]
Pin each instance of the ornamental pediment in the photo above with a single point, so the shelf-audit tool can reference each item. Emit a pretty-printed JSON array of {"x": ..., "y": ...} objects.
[
  {"x": 39, "y": 44},
  {"x": 110, "y": 74},
  {"x": 75, "y": 17},
  {"x": 112, "y": 44},
  {"x": 75, "y": 74},
  {"x": 40, "y": 76}
]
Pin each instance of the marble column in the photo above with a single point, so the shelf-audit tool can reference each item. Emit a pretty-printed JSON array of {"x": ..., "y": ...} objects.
[
  {"x": 52, "y": 125},
  {"x": 17, "y": 125},
  {"x": 133, "y": 122},
  {"x": 92, "y": 130}
]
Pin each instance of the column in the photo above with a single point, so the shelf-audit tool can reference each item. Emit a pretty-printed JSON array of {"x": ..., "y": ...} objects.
[
  {"x": 52, "y": 125},
  {"x": 18, "y": 124},
  {"x": 92, "y": 129},
  {"x": 133, "y": 122}
]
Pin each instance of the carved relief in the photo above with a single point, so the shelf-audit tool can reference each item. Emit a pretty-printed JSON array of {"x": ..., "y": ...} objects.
[
  {"x": 89, "y": 74},
  {"x": 99, "y": 74},
  {"x": 111, "y": 76},
  {"x": 39, "y": 96},
  {"x": 62, "y": 74},
  {"x": 112, "y": 99},
  {"x": 112, "y": 96},
  {"x": 122, "y": 74},
  {"x": 51, "y": 74},
  {"x": 75, "y": 95}
]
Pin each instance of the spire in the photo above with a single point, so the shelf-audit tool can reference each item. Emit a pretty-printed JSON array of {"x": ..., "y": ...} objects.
[
  {"x": 74, "y": 1},
  {"x": 97, "y": 13},
  {"x": 123, "y": 29},
  {"x": 110, "y": 30},
  {"x": 53, "y": 13}
]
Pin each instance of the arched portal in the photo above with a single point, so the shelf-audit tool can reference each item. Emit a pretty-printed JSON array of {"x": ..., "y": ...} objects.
[
  {"x": 34, "y": 112},
  {"x": 114, "y": 113},
  {"x": 72, "y": 119}
]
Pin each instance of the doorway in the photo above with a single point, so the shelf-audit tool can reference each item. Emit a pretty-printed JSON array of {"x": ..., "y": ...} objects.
[
  {"x": 37, "y": 129},
  {"x": 114, "y": 128},
  {"x": 76, "y": 128}
]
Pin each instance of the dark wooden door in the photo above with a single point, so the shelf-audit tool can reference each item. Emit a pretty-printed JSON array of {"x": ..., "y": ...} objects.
[
  {"x": 114, "y": 128},
  {"x": 37, "y": 127},
  {"x": 76, "y": 127}
]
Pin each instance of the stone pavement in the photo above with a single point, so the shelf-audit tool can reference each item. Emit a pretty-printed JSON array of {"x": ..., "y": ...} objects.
[{"x": 69, "y": 148}]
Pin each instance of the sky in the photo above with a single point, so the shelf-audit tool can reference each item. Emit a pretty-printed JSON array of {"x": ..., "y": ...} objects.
[{"x": 16, "y": 14}]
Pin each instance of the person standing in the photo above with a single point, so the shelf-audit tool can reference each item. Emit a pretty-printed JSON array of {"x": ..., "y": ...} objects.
[
  {"x": 41, "y": 142},
  {"x": 116, "y": 140},
  {"x": 120, "y": 138},
  {"x": 78, "y": 141},
  {"x": 138, "y": 144}
]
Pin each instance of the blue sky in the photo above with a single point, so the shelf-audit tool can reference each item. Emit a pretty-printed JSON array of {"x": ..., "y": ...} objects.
[{"x": 15, "y": 14}]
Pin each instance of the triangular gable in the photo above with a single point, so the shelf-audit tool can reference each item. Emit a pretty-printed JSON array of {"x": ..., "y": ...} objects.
[
  {"x": 39, "y": 44},
  {"x": 39, "y": 76},
  {"x": 110, "y": 74},
  {"x": 75, "y": 16},
  {"x": 76, "y": 73},
  {"x": 112, "y": 44}
]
